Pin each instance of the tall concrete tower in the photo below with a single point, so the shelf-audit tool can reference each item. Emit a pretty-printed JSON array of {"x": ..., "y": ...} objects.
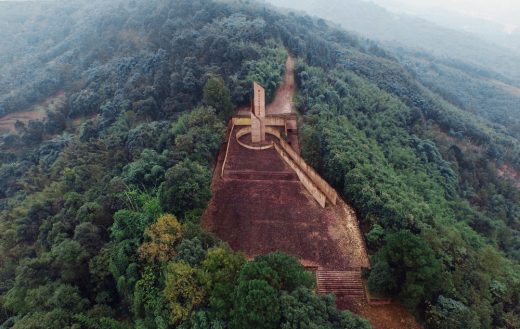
[{"x": 258, "y": 114}]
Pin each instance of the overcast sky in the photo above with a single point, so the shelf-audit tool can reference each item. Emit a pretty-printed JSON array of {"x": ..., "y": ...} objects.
[{"x": 504, "y": 12}]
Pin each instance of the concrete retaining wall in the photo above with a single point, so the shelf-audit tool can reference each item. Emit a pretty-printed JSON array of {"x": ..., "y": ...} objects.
[
  {"x": 311, "y": 174},
  {"x": 304, "y": 179},
  {"x": 241, "y": 121},
  {"x": 227, "y": 150},
  {"x": 325, "y": 188},
  {"x": 274, "y": 132},
  {"x": 276, "y": 121}
]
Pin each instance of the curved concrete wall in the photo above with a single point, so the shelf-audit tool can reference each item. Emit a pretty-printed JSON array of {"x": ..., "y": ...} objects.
[
  {"x": 274, "y": 132},
  {"x": 245, "y": 131}
]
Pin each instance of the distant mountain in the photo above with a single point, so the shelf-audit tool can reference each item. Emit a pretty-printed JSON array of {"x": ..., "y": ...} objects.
[
  {"x": 488, "y": 30},
  {"x": 401, "y": 30},
  {"x": 471, "y": 73}
]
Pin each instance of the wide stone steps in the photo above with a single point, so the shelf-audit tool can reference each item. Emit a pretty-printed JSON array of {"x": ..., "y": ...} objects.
[{"x": 342, "y": 283}]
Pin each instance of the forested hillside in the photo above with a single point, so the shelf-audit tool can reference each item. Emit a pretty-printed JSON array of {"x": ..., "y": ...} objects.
[
  {"x": 474, "y": 74},
  {"x": 398, "y": 30},
  {"x": 100, "y": 201}
]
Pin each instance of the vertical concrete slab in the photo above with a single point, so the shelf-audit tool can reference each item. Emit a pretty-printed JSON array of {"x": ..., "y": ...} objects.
[
  {"x": 256, "y": 129},
  {"x": 258, "y": 114},
  {"x": 259, "y": 100}
]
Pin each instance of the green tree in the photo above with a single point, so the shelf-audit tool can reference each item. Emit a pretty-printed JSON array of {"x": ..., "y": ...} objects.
[
  {"x": 256, "y": 305},
  {"x": 198, "y": 134},
  {"x": 129, "y": 224},
  {"x": 219, "y": 273},
  {"x": 191, "y": 251},
  {"x": 405, "y": 265},
  {"x": 103, "y": 284},
  {"x": 56, "y": 319},
  {"x": 303, "y": 309},
  {"x": 183, "y": 291},
  {"x": 70, "y": 259},
  {"x": 217, "y": 95},
  {"x": 279, "y": 270},
  {"x": 375, "y": 235},
  {"x": 148, "y": 301},
  {"x": 382, "y": 279},
  {"x": 162, "y": 236},
  {"x": 448, "y": 313},
  {"x": 186, "y": 187}
]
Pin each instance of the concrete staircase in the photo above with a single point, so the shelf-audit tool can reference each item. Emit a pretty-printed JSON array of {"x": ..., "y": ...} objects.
[{"x": 341, "y": 283}]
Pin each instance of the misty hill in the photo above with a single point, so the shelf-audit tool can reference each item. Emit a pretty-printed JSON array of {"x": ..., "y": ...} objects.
[
  {"x": 400, "y": 30},
  {"x": 474, "y": 74},
  {"x": 111, "y": 117},
  {"x": 491, "y": 31}
]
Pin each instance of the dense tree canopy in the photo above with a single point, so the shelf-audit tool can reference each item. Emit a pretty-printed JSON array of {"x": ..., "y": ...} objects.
[{"x": 100, "y": 201}]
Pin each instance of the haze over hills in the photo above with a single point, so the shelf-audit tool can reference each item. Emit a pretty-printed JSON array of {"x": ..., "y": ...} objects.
[
  {"x": 400, "y": 30},
  {"x": 479, "y": 76},
  {"x": 114, "y": 116},
  {"x": 497, "y": 30}
]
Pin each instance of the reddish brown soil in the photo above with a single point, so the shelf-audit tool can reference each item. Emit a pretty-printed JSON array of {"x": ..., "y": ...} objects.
[
  {"x": 262, "y": 215},
  {"x": 391, "y": 316},
  {"x": 507, "y": 87},
  {"x": 259, "y": 206},
  {"x": 8, "y": 121},
  {"x": 511, "y": 173},
  {"x": 240, "y": 158},
  {"x": 283, "y": 100}
]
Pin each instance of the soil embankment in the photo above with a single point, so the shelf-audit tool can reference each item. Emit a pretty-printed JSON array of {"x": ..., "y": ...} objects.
[
  {"x": 259, "y": 206},
  {"x": 38, "y": 112}
]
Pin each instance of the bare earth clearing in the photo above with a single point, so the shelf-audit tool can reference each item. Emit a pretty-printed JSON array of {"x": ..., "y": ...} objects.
[
  {"x": 38, "y": 112},
  {"x": 260, "y": 206}
]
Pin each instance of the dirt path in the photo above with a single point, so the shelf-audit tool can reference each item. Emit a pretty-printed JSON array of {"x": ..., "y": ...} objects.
[{"x": 283, "y": 100}]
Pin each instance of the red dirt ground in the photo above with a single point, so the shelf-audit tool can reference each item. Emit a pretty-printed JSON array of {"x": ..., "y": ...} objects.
[
  {"x": 262, "y": 216},
  {"x": 283, "y": 100},
  {"x": 507, "y": 87},
  {"x": 8, "y": 121},
  {"x": 268, "y": 210},
  {"x": 260, "y": 207},
  {"x": 38, "y": 112},
  {"x": 507, "y": 171},
  {"x": 391, "y": 316}
]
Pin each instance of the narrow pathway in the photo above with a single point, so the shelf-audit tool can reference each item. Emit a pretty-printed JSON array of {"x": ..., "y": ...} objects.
[{"x": 283, "y": 101}]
